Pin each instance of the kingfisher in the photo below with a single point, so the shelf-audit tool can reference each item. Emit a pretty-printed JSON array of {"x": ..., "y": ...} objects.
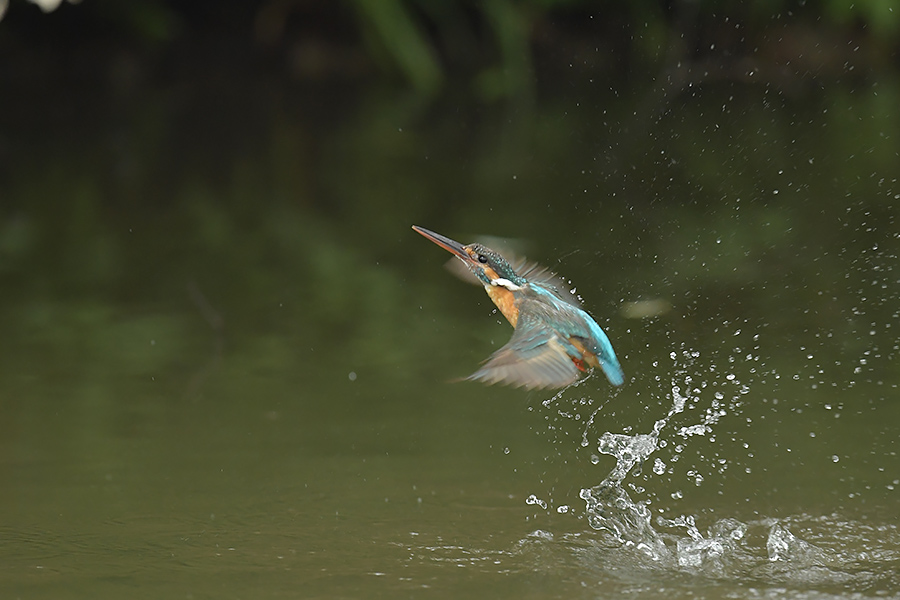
[{"x": 554, "y": 339}]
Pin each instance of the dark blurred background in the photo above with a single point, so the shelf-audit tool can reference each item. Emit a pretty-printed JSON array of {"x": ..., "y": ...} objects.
[{"x": 148, "y": 132}]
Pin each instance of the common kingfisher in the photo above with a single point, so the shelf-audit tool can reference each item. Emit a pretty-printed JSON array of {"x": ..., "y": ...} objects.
[{"x": 554, "y": 339}]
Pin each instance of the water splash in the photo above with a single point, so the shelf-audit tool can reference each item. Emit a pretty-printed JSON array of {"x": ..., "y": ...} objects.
[
  {"x": 610, "y": 507},
  {"x": 658, "y": 544},
  {"x": 782, "y": 545},
  {"x": 725, "y": 542}
]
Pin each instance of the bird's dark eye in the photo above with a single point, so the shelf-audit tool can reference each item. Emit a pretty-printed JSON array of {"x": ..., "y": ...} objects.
[{"x": 482, "y": 258}]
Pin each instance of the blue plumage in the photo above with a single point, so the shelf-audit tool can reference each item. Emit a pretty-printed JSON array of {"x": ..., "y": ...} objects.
[{"x": 554, "y": 339}]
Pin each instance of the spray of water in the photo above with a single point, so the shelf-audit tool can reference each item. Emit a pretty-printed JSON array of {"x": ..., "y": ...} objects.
[{"x": 611, "y": 508}]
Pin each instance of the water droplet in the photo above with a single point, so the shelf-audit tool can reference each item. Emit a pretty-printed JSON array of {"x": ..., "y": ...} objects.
[
  {"x": 532, "y": 499},
  {"x": 659, "y": 467}
]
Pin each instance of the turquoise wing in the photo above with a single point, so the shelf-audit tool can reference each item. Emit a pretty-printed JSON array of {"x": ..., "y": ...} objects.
[
  {"x": 572, "y": 322},
  {"x": 603, "y": 350}
]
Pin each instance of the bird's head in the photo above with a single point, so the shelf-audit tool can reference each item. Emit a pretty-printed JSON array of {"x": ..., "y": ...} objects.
[{"x": 489, "y": 266}]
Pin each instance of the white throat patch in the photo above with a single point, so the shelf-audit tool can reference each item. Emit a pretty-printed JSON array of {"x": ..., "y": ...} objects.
[{"x": 505, "y": 283}]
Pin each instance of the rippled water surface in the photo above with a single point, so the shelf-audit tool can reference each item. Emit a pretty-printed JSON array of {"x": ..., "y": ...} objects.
[{"x": 227, "y": 365}]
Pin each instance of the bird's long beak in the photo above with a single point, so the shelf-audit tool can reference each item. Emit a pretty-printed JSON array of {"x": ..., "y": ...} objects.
[{"x": 446, "y": 243}]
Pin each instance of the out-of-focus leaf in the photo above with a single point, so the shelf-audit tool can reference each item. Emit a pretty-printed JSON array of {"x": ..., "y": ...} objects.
[{"x": 404, "y": 41}]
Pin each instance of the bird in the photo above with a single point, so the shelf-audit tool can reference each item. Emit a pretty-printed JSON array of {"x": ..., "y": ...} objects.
[{"x": 555, "y": 341}]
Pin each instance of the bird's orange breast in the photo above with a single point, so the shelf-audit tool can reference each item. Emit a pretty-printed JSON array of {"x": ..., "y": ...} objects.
[{"x": 505, "y": 301}]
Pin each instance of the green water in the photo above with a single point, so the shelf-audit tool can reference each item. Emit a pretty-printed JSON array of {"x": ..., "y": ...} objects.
[{"x": 227, "y": 361}]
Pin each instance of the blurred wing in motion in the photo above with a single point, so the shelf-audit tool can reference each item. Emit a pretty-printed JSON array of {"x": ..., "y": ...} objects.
[{"x": 533, "y": 358}]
